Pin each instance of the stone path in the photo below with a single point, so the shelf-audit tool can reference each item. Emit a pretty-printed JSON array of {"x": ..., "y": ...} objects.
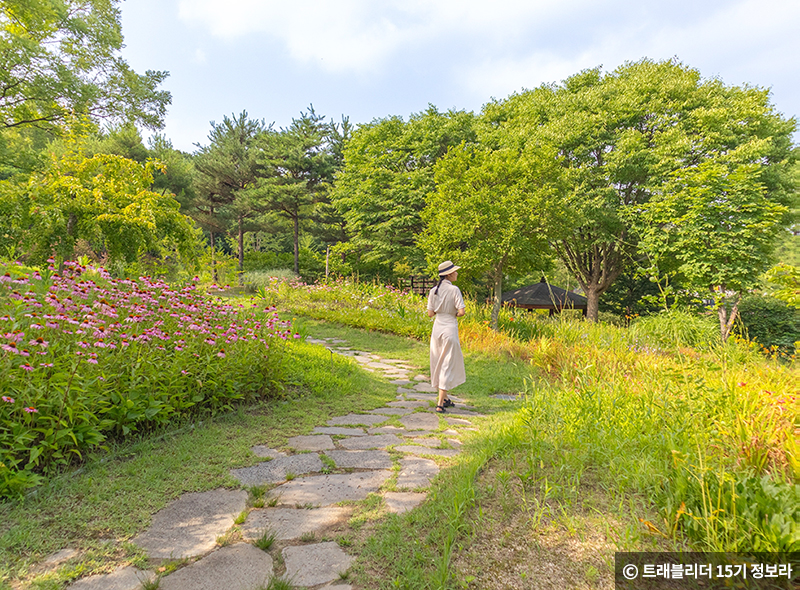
[{"x": 390, "y": 451}]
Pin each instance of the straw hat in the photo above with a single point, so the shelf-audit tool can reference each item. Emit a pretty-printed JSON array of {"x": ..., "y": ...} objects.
[{"x": 447, "y": 267}]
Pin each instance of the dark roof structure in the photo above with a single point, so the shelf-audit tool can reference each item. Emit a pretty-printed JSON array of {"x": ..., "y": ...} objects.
[{"x": 541, "y": 295}]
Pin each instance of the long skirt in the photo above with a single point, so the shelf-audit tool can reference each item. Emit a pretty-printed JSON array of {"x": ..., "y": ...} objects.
[{"x": 447, "y": 362}]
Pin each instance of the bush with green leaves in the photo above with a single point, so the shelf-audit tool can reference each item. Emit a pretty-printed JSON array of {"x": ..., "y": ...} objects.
[{"x": 771, "y": 323}]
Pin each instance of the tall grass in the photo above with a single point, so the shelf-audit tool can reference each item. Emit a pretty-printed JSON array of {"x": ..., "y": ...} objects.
[{"x": 705, "y": 431}]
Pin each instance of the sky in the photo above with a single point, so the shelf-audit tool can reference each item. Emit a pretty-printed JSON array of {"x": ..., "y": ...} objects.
[{"x": 370, "y": 59}]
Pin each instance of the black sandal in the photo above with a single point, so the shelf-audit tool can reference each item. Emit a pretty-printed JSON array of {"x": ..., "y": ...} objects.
[
  {"x": 440, "y": 409},
  {"x": 448, "y": 403}
]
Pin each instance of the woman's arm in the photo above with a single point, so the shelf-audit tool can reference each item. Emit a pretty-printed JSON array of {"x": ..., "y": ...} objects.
[
  {"x": 431, "y": 313},
  {"x": 461, "y": 312}
]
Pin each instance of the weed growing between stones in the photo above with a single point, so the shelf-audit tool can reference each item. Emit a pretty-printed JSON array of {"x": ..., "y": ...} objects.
[{"x": 266, "y": 540}]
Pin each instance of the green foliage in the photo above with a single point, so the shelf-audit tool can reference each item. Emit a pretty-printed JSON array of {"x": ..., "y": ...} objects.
[
  {"x": 105, "y": 200},
  {"x": 675, "y": 328},
  {"x": 771, "y": 323},
  {"x": 387, "y": 176},
  {"x": 787, "y": 280},
  {"x": 59, "y": 58},
  {"x": 487, "y": 214}
]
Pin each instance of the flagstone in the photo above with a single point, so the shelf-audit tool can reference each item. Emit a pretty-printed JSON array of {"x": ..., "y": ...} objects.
[
  {"x": 339, "y": 430},
  {"x": 373, "y": 441},
  {"x": 425, "y": 387},
  {"x": 455, "y": 421},
  {"x": 416, "y": 472},
  {"x": 427, "y": 442},
  {"x": 190, "y": 525},
  {"x": 276, "y": 470},
  {"x": 361, "y": 459},
  {"x": 391, "y": 411},
  {"x": 420, "y": 421},
  {"x": 291, "y": 523},
  {"x": 387, "y": 430},
  {"x": 310, "y": 565},
  {"x": 400, "y": 502},
  {"x": 312, "y": 442},
  {"x": 356, "y": 420},
  {"x": 124, "y": 578},
  {"x": 407, "y": 404},
  {"x": 265, "y": 451},
  {"x": 237, "y": 567},
  {"x": 323, "y": 490}
]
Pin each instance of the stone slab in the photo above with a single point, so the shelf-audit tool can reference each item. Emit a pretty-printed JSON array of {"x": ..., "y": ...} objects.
[
  {"x": 323, "y": 490},
  {"x": 310, "y": 565},
  {"x": 416, "y": 433},
  {"x": 339, "y": 430},
  {"x": 361, "y": 459},
  {"x": 426, "y": 451},
  {"x": 377, "y": 365},
  {"x": 335, "y": 586},
  {"x": 124, "y": 578},
  {"x": 276, "y": 470},
  {"x": 265, "y": 451},
  {"x": 315, "y": 341},
  {"x": 406, "y": 390},
  {"x": 422, "y": 396},
  {"x": 400, "y": 502},
  {"x": 373, "y": 441},
  {"x": 425, "y": 387},
  {"x": 451, "y": 432},
  {"x": 391, "y": 411},
  {"x": 457, "y": 421},
  {"x": 356, "y": 420},
  {"x": 311, "y": 442},
  {"x": 431, "y": 443},
  {"x": 190, "y": 525},
  {"x": 416, "y": 472},
  {"x": 291, "y": 523},
  {"x": 421, "y": 421},
  {"x": 421, "y": 378},
  {"x": 408, "y": 404},
  {"x": 387, "y": 430},
  {"x": 401, "y": 382},
  {"x": 362, "y": 359},
  {"x": 238, "y": 567}
]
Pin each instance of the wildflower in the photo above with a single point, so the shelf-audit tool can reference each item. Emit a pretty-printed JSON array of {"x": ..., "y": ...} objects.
[
  {"x": 184, "y": 372},
  {"x": 741, "y": 384},
  {"x": 31, "y": 410},
  {"x": 26, "y": 367},
  {"x": 93, "y": 361},
  {"x": 297, "y": 335},
  {"x": 8, "y": 400},
  {"x": 221, "y": 353},
  {"x": 45, "y": 364}
]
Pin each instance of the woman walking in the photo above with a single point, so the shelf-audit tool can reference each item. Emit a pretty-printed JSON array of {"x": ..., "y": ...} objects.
[{"x": 445, "y": 304}]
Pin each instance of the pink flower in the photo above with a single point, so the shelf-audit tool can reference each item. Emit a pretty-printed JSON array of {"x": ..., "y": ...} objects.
[
  {"x": 26, "y": 367},
  {"x": 178, "y": 348},
  {"x": 184, "y": 372},
  {"x": 742, "y": 384},
  {"x": 45, "y": 364},
  {"x": 221, "y": 354},
  {"x": 93, "y": 361},
  {"x": 8, "y": 400},
  {"x": 297, "y": 335},
  {"x": 31, "y": 410}
]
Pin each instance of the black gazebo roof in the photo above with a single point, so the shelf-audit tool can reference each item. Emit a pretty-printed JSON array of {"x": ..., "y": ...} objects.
[{"x": 542, "y": 295}]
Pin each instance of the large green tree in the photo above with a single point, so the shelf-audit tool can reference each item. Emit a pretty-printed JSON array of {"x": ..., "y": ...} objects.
[
  {"x": 62, "y": 57},
  {"x": 103, "y": 199},
  {"x": 626, "y": 137},
  {"x": 296, "y": 167},
  {"x": 227, "y": 170},
  {"x": 486, "y": 213},
  {"x": 387, "y": 176}
]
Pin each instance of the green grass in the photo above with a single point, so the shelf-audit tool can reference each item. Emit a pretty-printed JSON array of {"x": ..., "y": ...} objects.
[
  {"x": 266, "y": 540},
  {"x": 114, "y": 494}
]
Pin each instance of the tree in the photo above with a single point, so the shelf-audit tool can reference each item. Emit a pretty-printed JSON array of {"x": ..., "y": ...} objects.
[
  {"x": 59, "y": 58},
  {"x": 627, "y": 137},
  {"x": 104, "y": 199},
  {"x": 227, "y": 169},
  {"x": 387, "y": 176},
  {"x": 486, "y": 213},
  {"x": 296, "y": 169}
]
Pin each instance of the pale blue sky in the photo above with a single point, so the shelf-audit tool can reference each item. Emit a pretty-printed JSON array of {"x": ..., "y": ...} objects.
[{"x": 371, "y": 59}]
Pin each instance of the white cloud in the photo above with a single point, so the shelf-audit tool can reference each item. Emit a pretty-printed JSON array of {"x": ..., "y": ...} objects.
[
  {"x": 359, "y": 35},
  {"x": 199, "y": 56}
]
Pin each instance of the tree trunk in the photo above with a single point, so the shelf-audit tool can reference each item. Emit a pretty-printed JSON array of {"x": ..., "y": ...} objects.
[
  {"x": 726, "y": 323},
  {"x": 214, "y": 276},
  {"x": 592, "y": 303},
  {"x": 297, "y": 244},
  {"x": 498, "y": 296},
  {"x": 241, "y": 252}
]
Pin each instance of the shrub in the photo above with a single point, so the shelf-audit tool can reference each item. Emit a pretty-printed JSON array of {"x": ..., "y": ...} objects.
[
  {"x": 771, "y": 323},
  {"x": 676, "y": 328}
]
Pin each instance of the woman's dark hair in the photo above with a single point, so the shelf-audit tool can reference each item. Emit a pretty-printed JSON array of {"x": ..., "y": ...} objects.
[{"x": 436, "y": 292}]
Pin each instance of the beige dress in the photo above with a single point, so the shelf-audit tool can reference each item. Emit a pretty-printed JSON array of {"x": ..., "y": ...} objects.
[{"x": 447, "y": 362}]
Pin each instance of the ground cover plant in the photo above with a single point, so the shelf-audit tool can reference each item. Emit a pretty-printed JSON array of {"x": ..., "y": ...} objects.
[{"x": 86, "y": 357}]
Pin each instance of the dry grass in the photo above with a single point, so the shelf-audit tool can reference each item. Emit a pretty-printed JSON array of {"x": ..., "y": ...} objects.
[{"x": 524, "y": 537}]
